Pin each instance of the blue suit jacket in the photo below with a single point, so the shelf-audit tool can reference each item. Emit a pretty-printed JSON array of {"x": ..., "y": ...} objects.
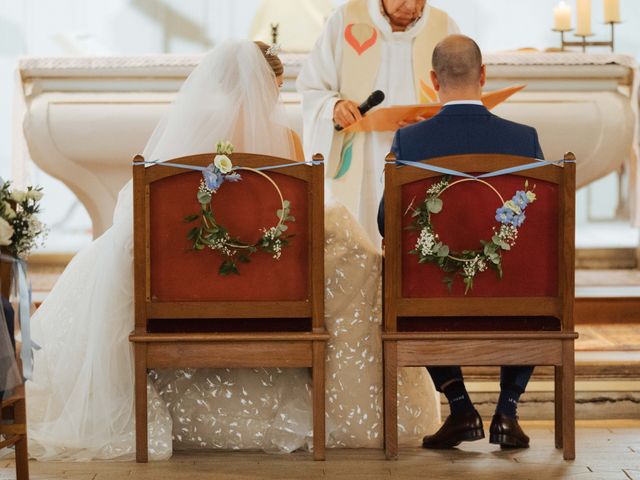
[{"x": 460, "y": 130}]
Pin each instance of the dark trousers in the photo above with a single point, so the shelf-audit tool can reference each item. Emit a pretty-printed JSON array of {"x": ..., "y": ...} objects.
[{"x": 515, "y": 378}]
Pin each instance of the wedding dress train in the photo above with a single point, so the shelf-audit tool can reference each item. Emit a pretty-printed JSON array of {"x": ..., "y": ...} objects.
[{"x": 81, "y": 396}]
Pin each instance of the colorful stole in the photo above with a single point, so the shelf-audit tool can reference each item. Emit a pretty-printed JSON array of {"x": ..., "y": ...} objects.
[{"x": 360, "y": 64}]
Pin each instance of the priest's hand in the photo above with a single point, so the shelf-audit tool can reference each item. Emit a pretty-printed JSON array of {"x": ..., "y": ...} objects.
[
  {"x": 411, "y": 121},
  {"x": 346, "y": 113}
]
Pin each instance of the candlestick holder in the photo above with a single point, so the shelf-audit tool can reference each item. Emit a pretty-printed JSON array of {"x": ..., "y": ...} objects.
[{"x": 584, "y": 43}]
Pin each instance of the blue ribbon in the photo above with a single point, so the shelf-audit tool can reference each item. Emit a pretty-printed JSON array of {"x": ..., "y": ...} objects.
[
  {"x": 202, "y": 169},
  {"x": 23, "y": 289},
  {"x": 505, "y": 171}
]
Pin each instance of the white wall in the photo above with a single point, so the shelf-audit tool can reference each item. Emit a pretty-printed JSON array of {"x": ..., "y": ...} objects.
[{"x": 58, "y": 27}]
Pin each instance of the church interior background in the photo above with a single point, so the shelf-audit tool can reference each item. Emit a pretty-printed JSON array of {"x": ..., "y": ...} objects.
[{"x": 608, "y": 237}]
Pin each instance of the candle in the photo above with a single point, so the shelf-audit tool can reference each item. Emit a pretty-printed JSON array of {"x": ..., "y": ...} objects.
[
  {"x": 584, "y": 18},
  {"x": 611, "y": 11},
  {"x": 562, "y": 17}
]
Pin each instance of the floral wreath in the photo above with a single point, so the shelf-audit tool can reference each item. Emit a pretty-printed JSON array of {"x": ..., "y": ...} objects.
[
  {"x": 468, "y": 263},
  {"x": 210, "y": 233}
]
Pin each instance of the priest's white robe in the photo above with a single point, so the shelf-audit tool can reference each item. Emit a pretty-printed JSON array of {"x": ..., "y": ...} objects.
[{"x": 319, "y": 84}]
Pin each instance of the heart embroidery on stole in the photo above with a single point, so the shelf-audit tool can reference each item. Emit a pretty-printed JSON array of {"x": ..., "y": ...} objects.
[{"x": 360, "y": 36}]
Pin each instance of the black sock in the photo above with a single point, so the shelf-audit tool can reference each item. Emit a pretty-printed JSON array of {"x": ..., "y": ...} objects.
[
  {"x": 459, "y": 401},
  {"x": 508, "y": 402}
]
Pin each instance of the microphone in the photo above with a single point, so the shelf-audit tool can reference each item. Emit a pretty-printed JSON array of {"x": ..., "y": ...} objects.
[{"x": 375, "y": 99}]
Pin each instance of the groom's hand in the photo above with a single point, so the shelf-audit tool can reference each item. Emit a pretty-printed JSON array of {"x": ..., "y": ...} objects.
[{"x": 346, "y": 113}]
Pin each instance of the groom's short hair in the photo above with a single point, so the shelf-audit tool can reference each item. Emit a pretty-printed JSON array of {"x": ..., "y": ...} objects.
[{"x": 457, "y": 61}]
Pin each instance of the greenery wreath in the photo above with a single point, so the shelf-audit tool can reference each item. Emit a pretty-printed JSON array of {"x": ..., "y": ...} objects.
[
  {"x": 211, "y": 234},
  {"x": 468, "y": 263}
]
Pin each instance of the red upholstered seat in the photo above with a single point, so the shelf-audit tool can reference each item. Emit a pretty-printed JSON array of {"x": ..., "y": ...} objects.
[
  {"x": 468, "y": 216},
  {"x": 188, "y": 316},
  {"x": 525, "y": 318},
  {"x": 180, "y": 274}
]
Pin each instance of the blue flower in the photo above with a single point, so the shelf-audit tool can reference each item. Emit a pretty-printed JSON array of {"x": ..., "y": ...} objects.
[
  {"x": 518, "y": 220},
  {"x": 212, "y": 179},
  {"x": 232, "y": 177},
  {"x": 521, "y": 199},
  {"x": 504, "y": 215}
]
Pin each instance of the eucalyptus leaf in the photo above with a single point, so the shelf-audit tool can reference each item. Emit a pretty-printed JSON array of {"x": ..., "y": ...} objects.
[
  {"x": 204, "y": 198},
  {"x": 434, "y": 205}
]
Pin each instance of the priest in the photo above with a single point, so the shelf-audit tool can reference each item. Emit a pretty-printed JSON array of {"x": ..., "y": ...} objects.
[{"x": 366, "y": 45}]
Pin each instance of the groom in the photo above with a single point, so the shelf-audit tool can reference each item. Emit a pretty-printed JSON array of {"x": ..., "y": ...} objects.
[{"x": 465, "y": 126}]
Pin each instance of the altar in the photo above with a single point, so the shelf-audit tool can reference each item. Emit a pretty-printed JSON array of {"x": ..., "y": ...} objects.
[{"x": 86, "y": 117}]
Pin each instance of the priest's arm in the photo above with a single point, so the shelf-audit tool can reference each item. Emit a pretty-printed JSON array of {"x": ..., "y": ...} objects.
[{"x": 318, "y": 83}]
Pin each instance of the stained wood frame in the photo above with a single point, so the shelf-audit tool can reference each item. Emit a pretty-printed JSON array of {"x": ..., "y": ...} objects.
[
  {"x": 229, "y": 350},
  {"x": 14, "y": 408},
  {"x": 413, "y": 349}
]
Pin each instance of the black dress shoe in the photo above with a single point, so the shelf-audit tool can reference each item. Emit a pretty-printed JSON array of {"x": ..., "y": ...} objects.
[
  {"x": 456, "y": 429},
  {"x": 506, "y": 432}
]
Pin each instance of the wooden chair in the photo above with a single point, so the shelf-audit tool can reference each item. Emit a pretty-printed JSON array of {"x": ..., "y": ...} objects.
[
  {"x": 14, "y": 409},
  {"x": 524, "y": 319},
  {"x": 270, "y": 315}
]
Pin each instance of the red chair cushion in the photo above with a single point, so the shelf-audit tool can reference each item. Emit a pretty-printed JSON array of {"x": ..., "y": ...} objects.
[
  {"x": 180, "y": 274},
  {"x": 530, "y": 268}
]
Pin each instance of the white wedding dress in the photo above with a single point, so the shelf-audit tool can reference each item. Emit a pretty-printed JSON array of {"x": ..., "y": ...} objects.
[{"x": 81, "y": 399}]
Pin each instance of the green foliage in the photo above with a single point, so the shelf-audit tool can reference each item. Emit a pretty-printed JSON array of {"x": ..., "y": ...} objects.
[{"x": 210, "y": 234}]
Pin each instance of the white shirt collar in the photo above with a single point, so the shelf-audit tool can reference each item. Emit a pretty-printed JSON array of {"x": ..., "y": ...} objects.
[{"x": 464, "y": 102}]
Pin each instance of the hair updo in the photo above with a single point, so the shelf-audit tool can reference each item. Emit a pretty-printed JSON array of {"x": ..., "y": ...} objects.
[{"x": 272, "y": 59}]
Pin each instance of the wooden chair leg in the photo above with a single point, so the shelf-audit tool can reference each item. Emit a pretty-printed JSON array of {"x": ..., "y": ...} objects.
[
  {"x": 568, "y": 401},
  {"x": 558, "y": 405},
  {"x": 142, "y": 449},
  {"x": 318, "y": 377},
  {"x": 22, "y": 454},
  {"x": 390, "y": 372}
]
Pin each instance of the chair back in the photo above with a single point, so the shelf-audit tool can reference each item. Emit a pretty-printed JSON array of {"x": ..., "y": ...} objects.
[
  {"x": 538, "y": 273},
  {"x": 178, "y": 288}
]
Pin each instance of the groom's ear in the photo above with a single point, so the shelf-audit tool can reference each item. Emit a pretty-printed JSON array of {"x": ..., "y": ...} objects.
[{"x": 435, "y": 81}]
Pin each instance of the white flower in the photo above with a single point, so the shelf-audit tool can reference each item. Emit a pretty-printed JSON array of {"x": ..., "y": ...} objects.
[
  {"x": 426, "y": 242},
  {"x": 9, "y": 212},
  {"x": 223, "y": 163},
  {"x": 34, "y": 195},
  {"x": 224, "y": 147},
  {"x": 6, "y": 232},
  {"x": 531, "y": 196},
  {"x": 18, "y": 196}
]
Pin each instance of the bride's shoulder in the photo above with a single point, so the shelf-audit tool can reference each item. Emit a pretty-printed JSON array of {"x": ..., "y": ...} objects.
[{"x": 298, "y": 152}]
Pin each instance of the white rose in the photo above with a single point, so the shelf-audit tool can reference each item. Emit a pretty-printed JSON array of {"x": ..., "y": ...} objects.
[
  {"x": 6, "y": 232},
  {"x": 9, "y": 212},
  {"x": 18, "y": 196},
  {"x": 223, "y": 163},
  {"x": 34, "y": 195},
  {"x": 531, "y": 197}
]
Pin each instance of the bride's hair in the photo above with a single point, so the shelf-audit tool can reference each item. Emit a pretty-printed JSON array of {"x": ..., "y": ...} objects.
[
  {"x": 231, "y": 95},
  {"x": 272, "y": 59}
]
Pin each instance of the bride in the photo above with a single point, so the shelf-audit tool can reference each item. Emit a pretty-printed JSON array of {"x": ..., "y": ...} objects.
[{"x": 81, "y": 404}]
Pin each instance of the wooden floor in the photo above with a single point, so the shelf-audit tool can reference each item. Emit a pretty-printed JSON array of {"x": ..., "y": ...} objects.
[{"x": 605, "y": 450}]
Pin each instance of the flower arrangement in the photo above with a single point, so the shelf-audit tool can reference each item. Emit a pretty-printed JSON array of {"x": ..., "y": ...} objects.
[
  {"x": 20, "y": 229},
  {"x": 209, "y": 233},
  {"x": 468, "y": 263}
]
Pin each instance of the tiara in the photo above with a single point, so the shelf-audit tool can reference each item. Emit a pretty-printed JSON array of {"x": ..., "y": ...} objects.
[{"x": 274, "y": 50}]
